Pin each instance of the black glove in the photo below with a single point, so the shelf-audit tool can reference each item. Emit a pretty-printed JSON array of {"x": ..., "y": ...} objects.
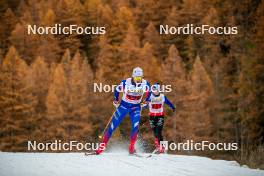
[{"x": 174, "y": 110}]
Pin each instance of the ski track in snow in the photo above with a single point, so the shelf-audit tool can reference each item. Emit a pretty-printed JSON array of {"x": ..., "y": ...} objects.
[{"x": 117, "y": 164}]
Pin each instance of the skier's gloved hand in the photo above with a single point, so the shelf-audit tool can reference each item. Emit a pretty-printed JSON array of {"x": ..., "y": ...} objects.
[
  {"x": 174, "y": 110},
  {"x": 116, "y": 103},
  {"x": 144, "y": 104}
]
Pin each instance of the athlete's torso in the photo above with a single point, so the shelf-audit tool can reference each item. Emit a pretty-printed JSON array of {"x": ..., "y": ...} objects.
[
  {"x": 156, "y": 105},
  {"x": 133, "y": 93}
]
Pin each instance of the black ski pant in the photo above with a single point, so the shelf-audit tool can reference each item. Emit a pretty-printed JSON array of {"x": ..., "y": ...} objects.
[{"x": 156, "y": 124}]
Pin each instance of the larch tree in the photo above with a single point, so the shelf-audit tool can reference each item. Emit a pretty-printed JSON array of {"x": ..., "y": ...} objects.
[
  {"x": 192, "y": 11},
  {"x": 174, "y": 74},
  {"x": 227, "y": 117},
  {"x": 40, "y": 75},
  {"x": 199, "y": 117},
  {"x": 49, "y": 47},
  {"x": 96, "y": 13},
  {"x": 146, "y": 11},
  {"x": 120, "y": 25},
  {"x": 26, "y": 45},
  {"x": 66, "y": 62},
  {"x": 78, "y": 82},
  {"x": 250, "y": 87},
  {"x": 40, "y": 78},
  {"x": 189, "y": 51},
  {"x": 79, "y": 105},
  {"x": 9, "y": 20},
  {"x": 105, "y": 64},
  {"x": 116, "y": 4},
  {"x": 164, "y": 7},
  {"x": 128, "y": 50},
  {"x": 16, "y": 103},
  {"x": 210, "y": 44},
  {"x": 152, "y": 36},
  {"x": 69, "y": 12},
  {"x": 57, "y": 104},
  {"x": 116, "y": 36},
  {"x": 57, "y": 94},
  {"x": 258, "y": 77},
  {"x": 172, "y": 20},
  {"x": 106, "y": 70},
  {"x": 149, "y": 63},
  {"x": 58, "y": 101},
  {"x": 92, "y": 9}
]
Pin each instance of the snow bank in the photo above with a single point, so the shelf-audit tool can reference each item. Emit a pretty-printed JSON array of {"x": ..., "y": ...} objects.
[{"x": 115, "y": 164}]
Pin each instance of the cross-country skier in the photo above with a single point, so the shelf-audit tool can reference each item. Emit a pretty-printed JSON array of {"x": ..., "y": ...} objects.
[
  {"x": 133, "y": 90},
  {"x": 156, "y": 114}
]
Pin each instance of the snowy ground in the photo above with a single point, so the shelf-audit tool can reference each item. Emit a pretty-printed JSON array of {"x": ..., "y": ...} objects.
[{"x": 115, "y": 164}]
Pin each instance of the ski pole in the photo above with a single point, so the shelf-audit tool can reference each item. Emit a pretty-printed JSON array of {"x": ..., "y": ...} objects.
[
  {"x": 110, "y": 119},
  {"x": 142, "y": 105}
]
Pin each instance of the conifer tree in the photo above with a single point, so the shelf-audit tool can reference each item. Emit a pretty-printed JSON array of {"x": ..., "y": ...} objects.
[
  {"x": 26, "y": 44},
  {"x": 65, "y": 62},
  {"x": 78, "y": 81},
  {"x": 69, "y": 12},
  {"x": 48, "y": 45},
  {"x": 147, "y": 11},
  {"x": 57, "y": 95},
  {"x": 95, "y": 14},
  {"x": 149, "y": 63},
  {"x": 174, "y": 74},
  {"x": 249, "y": 89},
  {"x": 120, "y": 25},
  {"x": 16, "y": 103},
  {"x": 128, "y": 50},
  {"x": 105, "y": 62},
  {"x": 9, "y": 21},
  {"x": 152, "y": 36},
  {"x": 40, "y": 75},
  {"x": 172, "y": 20},
  {"x": 199, "y": 117},
  {"x": 192, "y": 11},
  {"x": 210, "y": 49}
]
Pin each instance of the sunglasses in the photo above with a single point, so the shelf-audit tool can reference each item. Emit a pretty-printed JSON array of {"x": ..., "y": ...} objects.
[{"x": 137, "y": 78}]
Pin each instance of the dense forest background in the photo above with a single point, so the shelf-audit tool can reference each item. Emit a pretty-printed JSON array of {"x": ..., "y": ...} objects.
[{"x": 46, "y": 90}]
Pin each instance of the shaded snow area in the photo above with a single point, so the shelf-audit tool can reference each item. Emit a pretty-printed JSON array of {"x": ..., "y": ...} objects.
[{"x": 117, "y": 164}]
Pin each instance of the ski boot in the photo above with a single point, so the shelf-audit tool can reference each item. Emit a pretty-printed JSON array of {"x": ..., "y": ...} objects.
[
  {"x": 160, "y": 149},
  {"x": 131, "y": 148},
  {"x": 101, "y": 148}
]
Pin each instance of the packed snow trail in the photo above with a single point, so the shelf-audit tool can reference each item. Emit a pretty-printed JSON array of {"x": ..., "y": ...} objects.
[{"x": 117, "y": 164}]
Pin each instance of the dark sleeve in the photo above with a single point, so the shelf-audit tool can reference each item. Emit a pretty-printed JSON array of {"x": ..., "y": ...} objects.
[
  {"x": 118, "y": 89},
  {"x": 167, "y": 101}
]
